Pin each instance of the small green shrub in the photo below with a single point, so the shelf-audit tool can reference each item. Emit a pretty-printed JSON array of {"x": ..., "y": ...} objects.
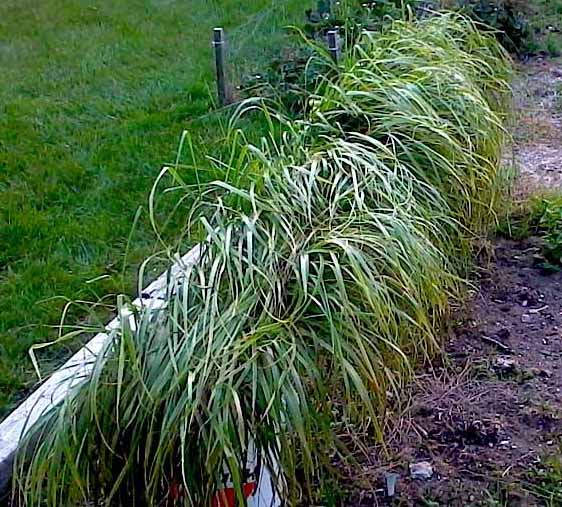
[
  {"x": 545, "y": 25},
  {"x": 553, "y": 45},
  {"x": 542, "y": 217},
  {"x": 548, "y": 222}
]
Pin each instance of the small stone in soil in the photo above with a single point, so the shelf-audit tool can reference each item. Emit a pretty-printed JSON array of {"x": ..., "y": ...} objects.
[
  {"x": 505, "y": 365},
  {"x": 422, "y": 470}
]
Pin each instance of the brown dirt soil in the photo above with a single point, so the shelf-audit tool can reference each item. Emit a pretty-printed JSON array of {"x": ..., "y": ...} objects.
[
  {"x": 488, "y": 418},
  {"x": 491, "y": 415}
]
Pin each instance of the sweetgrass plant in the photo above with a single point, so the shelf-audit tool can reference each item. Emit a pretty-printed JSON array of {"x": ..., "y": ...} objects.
[
  {"x": 324, "y": 276},
  {"x": 438, "y": 106}
]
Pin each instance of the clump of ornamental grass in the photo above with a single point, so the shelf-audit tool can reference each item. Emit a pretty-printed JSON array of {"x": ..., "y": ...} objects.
[
  {"x": 435, "y": 92},
  {"x": 322, "y": 279}
]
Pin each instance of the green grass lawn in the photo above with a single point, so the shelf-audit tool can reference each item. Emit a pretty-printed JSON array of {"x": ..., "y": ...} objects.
[{"x": 93, "y": 98}]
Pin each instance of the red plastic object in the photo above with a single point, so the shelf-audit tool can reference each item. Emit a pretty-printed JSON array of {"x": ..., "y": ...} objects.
[{"x": 227, "y": 497}]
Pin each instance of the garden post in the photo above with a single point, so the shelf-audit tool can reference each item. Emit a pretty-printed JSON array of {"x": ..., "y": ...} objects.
[
  {"x": 333, "y": 44},
  {"x": 218, "y": 43}
]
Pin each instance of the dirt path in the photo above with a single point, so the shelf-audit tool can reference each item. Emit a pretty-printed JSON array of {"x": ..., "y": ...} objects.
[
  {"x": 538, "y": 128},
  {"x": 488, "y": 423}
]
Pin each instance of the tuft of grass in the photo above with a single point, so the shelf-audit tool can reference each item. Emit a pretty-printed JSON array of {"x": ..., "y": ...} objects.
[
  {"x": 330, "y": 252},
  {"x": 546, "y": 481}
]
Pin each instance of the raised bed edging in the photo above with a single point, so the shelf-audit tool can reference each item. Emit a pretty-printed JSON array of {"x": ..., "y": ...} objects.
[{"x": 78, "y": 367}]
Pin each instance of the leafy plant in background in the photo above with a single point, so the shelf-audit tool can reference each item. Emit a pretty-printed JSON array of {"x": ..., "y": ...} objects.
[
  {"x": 371, "y": 14},
  {"x": 512, "y": 29},
  {"x": 290, "y": 78},
  {"x": 294, "y": 74},
  {"x": 324, "y": 276},
  {"x": 545, "y": 22}
]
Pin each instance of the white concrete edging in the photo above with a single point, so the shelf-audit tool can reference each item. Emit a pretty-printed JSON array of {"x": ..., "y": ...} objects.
[{"x": 80, "y": 365}]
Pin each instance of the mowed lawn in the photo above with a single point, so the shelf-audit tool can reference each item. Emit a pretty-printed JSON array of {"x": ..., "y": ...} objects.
[{"x": 93, "y": 98}]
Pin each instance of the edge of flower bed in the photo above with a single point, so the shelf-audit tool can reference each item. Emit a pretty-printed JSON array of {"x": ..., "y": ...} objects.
[{"x": 77, "y": 368}]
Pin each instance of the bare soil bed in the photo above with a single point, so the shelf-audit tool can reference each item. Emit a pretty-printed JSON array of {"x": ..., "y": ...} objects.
[{"x": 489, "y": 418}]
